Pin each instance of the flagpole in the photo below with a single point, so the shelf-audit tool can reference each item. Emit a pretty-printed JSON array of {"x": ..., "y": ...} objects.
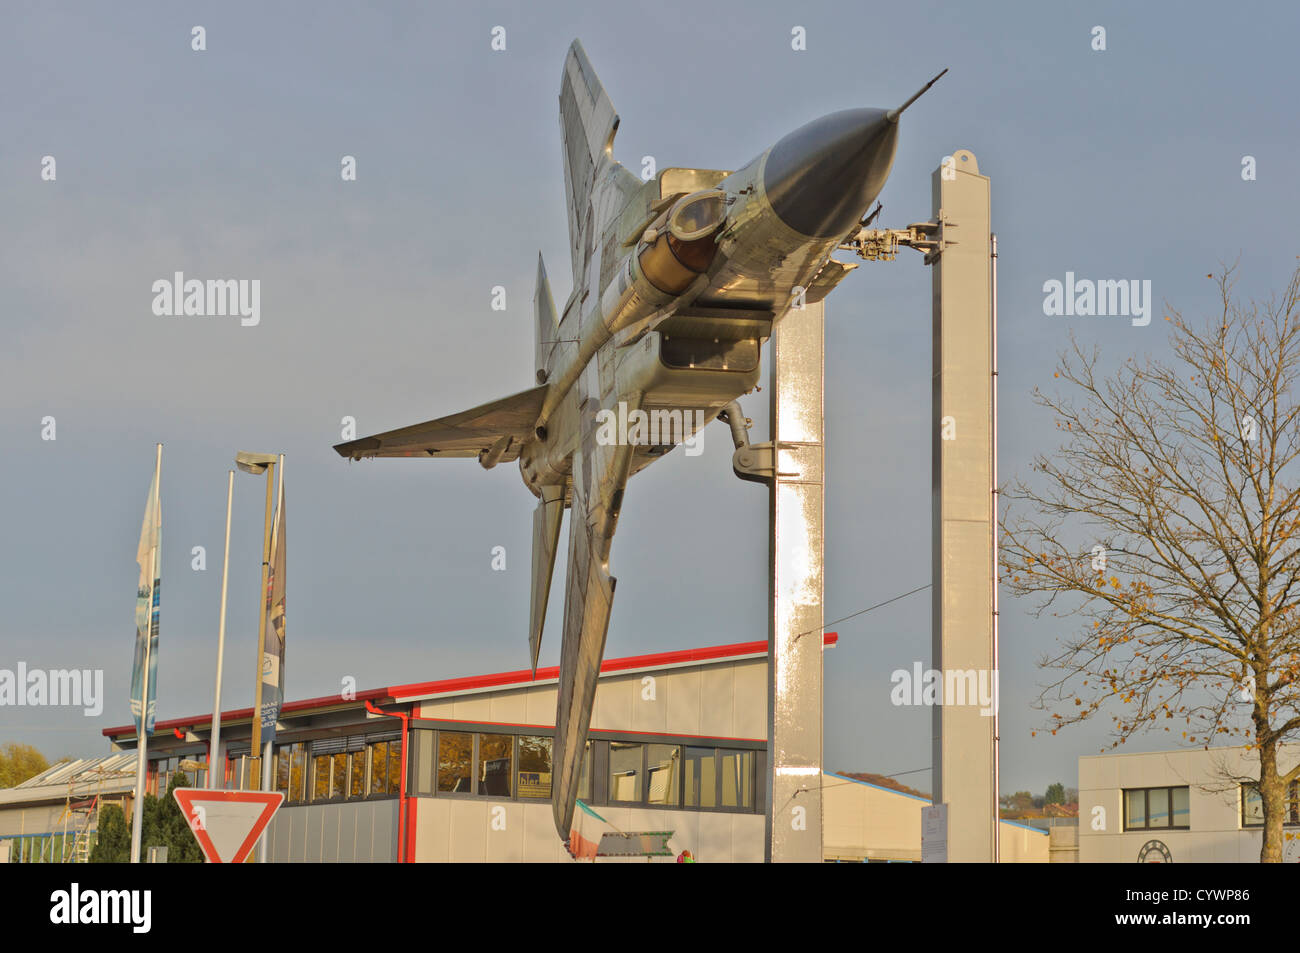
[
  {"x": 266, "y": 754},
  {"x": 255, "y": 748},
  {"x": 214, "y": 747},
  {"x": 142, "y": 729}
]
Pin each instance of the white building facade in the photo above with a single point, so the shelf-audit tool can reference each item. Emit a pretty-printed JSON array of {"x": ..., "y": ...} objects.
[{"x": 1192, "y": 805}]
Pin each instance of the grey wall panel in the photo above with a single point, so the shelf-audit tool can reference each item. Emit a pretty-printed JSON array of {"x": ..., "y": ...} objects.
[
  {"x": 312, "y": 838},
  {"x": 329, "y": 849},
  {"x": 348, "y": 824},
  {"x": 383, "y": 840}
]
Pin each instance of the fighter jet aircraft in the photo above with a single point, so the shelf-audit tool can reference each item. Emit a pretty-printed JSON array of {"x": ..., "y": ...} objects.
[{"x": 677, "y": 283}]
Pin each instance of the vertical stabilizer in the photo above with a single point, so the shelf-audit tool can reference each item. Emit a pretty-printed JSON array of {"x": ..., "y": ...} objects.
[{"x": 587, "y": 126}]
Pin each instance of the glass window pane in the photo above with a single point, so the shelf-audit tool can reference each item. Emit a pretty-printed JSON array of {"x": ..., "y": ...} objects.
[
  {"x": 624, "y": 771},
  {"x": 662, "y": 773},
  {"x": 1252, "y": 806},
  {"x": 282, "y": 771},
  {"x": 1136, "y": 807},
  {"x": 394, "y": 784},
  {"x": 1293, "y": 804},
  {"x": 495, "y": 759},
  {"x": 1182, "y": 807},
  {"x": 321, "y": 778},
  {"x": 454, "y": 748},
  {"x": 1158, "y": 807},
  {"x": 584, "y": 781},
  {"x": 298, "y": 772},
  {"x": 534, "y": 767},
  {"x": 357, "y": 774},
  {"x": 378, "y": 766},
  {"x": 339, "y": 779},
  {"x": 737, "y": 769},
  {"x": 701, "y": 786}
]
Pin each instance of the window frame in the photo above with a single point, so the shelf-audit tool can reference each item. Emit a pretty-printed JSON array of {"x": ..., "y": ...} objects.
[
  {"x": 1292, "y": 801},
  {"x": 1169, "y": 790},
  {"x": 599, "y": 764}
]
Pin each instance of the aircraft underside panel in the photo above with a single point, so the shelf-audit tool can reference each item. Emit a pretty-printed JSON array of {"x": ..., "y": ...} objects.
[{"x": 600, "y": 474}]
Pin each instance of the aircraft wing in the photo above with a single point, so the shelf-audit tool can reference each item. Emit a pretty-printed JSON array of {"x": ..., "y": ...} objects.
[
  {"x": 466, "y": 434},
  {"x": 600, "y": 474}
]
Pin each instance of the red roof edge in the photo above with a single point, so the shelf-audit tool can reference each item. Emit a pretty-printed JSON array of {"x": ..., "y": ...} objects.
[{"x": 496, "y": 680}]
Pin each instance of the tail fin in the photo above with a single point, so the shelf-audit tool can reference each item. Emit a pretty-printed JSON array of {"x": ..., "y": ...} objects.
[
  {"x": 587, "y": 124},
  {"x": 545, "y": 321}
]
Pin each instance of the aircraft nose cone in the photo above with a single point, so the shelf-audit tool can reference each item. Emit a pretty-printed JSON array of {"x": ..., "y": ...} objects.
[{"x": 822, "y": 178}]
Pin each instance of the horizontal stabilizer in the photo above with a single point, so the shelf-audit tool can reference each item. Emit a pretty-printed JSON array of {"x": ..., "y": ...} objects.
[
  {"x": 545, "y": 321},
  {"x": 546, "y": 539},
  {"x": 466, "y": 434}
]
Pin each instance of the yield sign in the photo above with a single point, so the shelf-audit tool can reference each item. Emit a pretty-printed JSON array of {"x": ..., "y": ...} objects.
[{"x": 227, "y": 823}]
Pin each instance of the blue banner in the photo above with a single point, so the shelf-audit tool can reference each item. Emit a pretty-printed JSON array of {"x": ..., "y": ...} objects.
[{"x": 148, "y": 598}]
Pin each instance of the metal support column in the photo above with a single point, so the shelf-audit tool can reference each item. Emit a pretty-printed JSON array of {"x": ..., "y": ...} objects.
[
  {"x": 964, "y": 760},
  {"x": 796, "y": 555}
]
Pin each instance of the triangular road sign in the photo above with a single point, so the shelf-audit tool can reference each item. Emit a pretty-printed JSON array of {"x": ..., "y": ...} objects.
[{"x": 227, "y": 823}]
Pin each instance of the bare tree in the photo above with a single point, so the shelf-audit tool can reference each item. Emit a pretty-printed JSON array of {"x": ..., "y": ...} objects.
[{"x": 1167, "y": 523}]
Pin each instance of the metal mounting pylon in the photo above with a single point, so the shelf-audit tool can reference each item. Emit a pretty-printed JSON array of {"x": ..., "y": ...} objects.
[
  {"x": 792, "y": 467},
  {"x": 960, "y": 245}
]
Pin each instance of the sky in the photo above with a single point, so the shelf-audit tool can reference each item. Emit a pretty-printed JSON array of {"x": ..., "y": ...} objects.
[{"x": 376, "y": 304}]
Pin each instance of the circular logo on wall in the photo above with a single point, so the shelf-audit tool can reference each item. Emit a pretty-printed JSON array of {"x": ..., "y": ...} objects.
[{"x": 1155, "y": 852}]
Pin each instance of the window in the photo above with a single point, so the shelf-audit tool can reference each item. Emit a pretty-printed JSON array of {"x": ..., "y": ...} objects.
[
  {"x": 584, "y": 776},
  {"x": 701, "y": 777},
  {"x": 737, "y": 777},
  {"x": 338, "y": 774},
  {"x": 1158, "y": 807},
  {"x": 1165, "y": 808},
  {"x": 291, "y": 772},
  {"x": 507, "y": 766},
  {"x": 454, "y": 771},
  {"x": 320, "y": 777},
  {"x": 379, "y": 767},
  {"x": 534, "y": 778},
  {"x": 720, "y": 777},
  {"x": 663, "y": 767},
  {"x": 625, "y": 771},
  {"x": 495, "y": 765},
  {"x": 393, "y": 780},
  {"x": 298, "y": 774},
  {"x": 1252, "y": 806},
  {"x": 357, "y": 774}
]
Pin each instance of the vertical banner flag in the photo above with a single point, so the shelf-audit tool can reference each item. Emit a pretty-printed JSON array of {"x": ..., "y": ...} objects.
[
  {"x": 149, "y": 556},
  {"x": 273, "y": 651}
]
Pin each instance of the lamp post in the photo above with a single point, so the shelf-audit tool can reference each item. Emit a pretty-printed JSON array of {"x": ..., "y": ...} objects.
[{"x": 216, "y": 763}]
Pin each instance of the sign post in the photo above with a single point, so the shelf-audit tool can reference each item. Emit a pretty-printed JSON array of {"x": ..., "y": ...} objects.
[{"x": 227, "y": 824}]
